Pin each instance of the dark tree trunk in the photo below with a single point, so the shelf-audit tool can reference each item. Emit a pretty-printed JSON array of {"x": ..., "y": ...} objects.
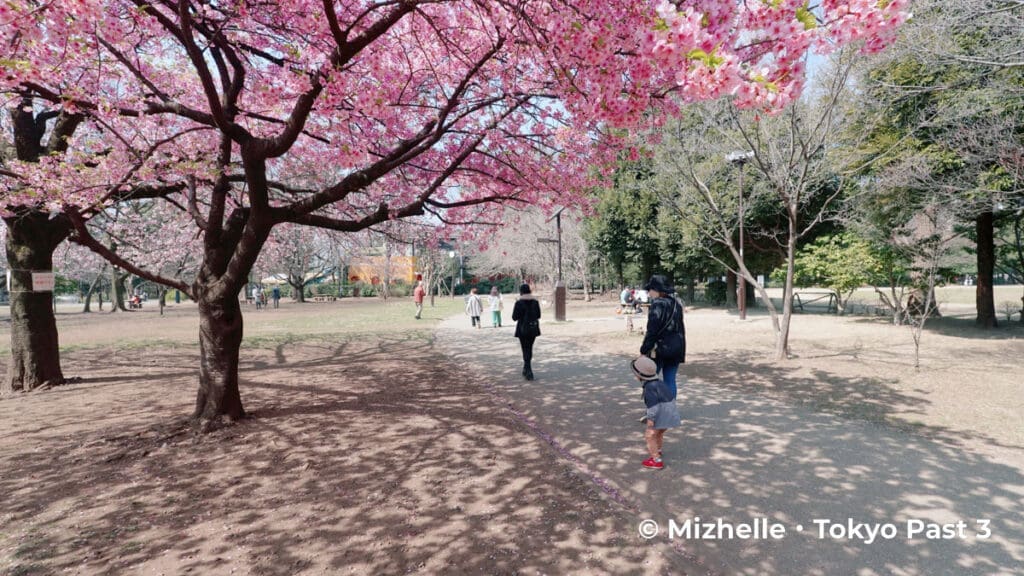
[
  {"x": 648, "y": 262},
  {"x": 299, "y": 291},
  {"x": 117, "y": 290},
  {"x": 220, "y": 338},
  {"x": 730, "y": 289},
  {"x": 94, "y": 288},
  {"x": 87, "y": 301},
  {"x": 985, "y": 294},
  {"x": 215, "y": 291},
  {"x": 32, "y": 238}
]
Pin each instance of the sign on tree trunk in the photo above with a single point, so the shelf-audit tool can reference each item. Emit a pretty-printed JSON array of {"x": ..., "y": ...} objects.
[{"x": 43, "y": 281}]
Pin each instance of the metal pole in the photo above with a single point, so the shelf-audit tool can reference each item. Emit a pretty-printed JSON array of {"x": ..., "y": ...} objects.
[
  {"x": 743, "y": 281},
  {"x": 558, "y": 226},
  {"x": 451, "y": 257}
]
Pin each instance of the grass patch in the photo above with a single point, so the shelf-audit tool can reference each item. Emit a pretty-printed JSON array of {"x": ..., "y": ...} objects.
[
  {"x": 351, "y": 318},
  {"x": 330, "y": 322},
  {"x": 128, "y": 345}
]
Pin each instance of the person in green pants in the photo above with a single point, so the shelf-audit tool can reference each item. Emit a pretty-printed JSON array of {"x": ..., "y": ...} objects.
[{"x": 496, "y": 305}]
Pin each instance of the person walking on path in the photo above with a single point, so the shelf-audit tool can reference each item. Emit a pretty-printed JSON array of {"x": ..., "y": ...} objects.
[
  {"x": 496, "y": 305},
  {"x": 475, "y": 308},
  {"x": 257, "y": 296},
  {"x": 276, "y": 295},
  {"x": 665, "y": 339},
  {"x": 662, "y": 412},
  {"x": 417, "y": 297},
  {"x": 526, "y": 315}
]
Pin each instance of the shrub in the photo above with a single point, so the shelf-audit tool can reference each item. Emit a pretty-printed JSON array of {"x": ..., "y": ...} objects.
[{"x": 715, "y": 292}]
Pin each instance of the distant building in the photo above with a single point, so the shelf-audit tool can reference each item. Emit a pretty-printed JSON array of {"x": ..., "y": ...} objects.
[{"x": 374, "y": 265}]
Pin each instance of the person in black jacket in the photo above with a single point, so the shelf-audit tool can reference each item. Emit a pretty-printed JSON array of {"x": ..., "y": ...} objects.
[
  {"x": 526, "y": 314},
  {"x": 665, "y": 339}
]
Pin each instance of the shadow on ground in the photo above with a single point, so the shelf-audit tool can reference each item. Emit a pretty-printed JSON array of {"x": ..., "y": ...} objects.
[
  {"x": 823, "y": 449},
  {"x": 361, "y": 455}
]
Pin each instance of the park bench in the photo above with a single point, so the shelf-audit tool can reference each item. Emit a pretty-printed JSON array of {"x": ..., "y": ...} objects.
[
  {"x": 806, "y": 298},
  {"x": 324, "y": 298}
]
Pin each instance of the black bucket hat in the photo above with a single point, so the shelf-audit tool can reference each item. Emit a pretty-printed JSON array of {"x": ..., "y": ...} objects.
[{"x": 659, "y": 283}]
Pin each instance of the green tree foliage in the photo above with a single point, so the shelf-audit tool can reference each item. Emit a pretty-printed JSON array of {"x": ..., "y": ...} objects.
[
  {"x": 625, "y": 227},
  {"x": 840, "y": 262},
  {"x": 943, "y": 111},
  {"x": 64, "y": 285}
]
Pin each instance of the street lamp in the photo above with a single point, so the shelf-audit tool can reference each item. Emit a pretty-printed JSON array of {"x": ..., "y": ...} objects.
[{"x": 740, "y": 158}]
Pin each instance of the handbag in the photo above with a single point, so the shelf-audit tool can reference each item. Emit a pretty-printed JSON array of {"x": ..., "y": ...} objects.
[
  {"x": 531, "y": 325},
  {"x": 531, "y": 328}
]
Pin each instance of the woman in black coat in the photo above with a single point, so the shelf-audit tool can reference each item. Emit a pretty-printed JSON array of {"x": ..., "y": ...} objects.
[
  {"x": 665, "y": 338},
  {"x": 526, "y": 314}
]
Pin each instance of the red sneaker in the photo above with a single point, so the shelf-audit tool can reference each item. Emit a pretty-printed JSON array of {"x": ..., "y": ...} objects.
[{"x": 652, "y": 463}]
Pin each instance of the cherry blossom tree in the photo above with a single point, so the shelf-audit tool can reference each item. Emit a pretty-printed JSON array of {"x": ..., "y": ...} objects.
[
  {"x": 151, "y": 234},
  {"x": 304, "y": 255},
  {"x": 80, "y": 264},
  {"x": 344, "y": 115},
  {"x": 55, "y": 156}
]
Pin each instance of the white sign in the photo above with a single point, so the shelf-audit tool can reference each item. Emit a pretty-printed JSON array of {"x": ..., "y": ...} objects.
[{"x": 43, "y": 281}]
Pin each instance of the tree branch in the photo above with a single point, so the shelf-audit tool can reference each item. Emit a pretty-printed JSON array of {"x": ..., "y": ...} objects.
[{"x": 82, "y": 237}]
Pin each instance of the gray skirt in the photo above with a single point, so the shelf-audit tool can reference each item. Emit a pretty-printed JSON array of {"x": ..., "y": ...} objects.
[{"x": 664, "y": 415}]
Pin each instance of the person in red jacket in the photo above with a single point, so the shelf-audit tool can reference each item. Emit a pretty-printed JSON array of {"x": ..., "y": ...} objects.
[{"x": 417, "y": 297}]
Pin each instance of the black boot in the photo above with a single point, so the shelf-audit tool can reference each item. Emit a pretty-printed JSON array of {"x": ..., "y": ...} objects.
[{"x": 528, "y": 374}]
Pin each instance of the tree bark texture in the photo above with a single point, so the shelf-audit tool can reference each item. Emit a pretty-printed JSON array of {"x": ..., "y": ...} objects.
[
  {"x": 298, "y": 290},
  {"x": 985, "y": 293},
  {"x": 782, "y": 336},
  {"x": 32, "y": 237},
  {"x": 730, "y": 290},
  {"x": 117, "y": 290},
  {"x": 220, "y": 338},
  {"x": 94, "y": 288}
]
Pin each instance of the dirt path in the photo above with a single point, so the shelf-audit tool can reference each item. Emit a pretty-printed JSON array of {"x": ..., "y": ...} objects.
[
  {"x": 364, "y": 455},
  {"x": 743, "y": 454}
]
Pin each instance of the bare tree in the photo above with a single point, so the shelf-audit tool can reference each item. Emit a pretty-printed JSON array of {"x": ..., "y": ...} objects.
[
  {"x": 926, "y": 240},
  {"x": 303, "y": 255},
  {"x": 792, "y": 161},
  {"x": 936, "y": 22},
  {"x": 515, "y": 249}
]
